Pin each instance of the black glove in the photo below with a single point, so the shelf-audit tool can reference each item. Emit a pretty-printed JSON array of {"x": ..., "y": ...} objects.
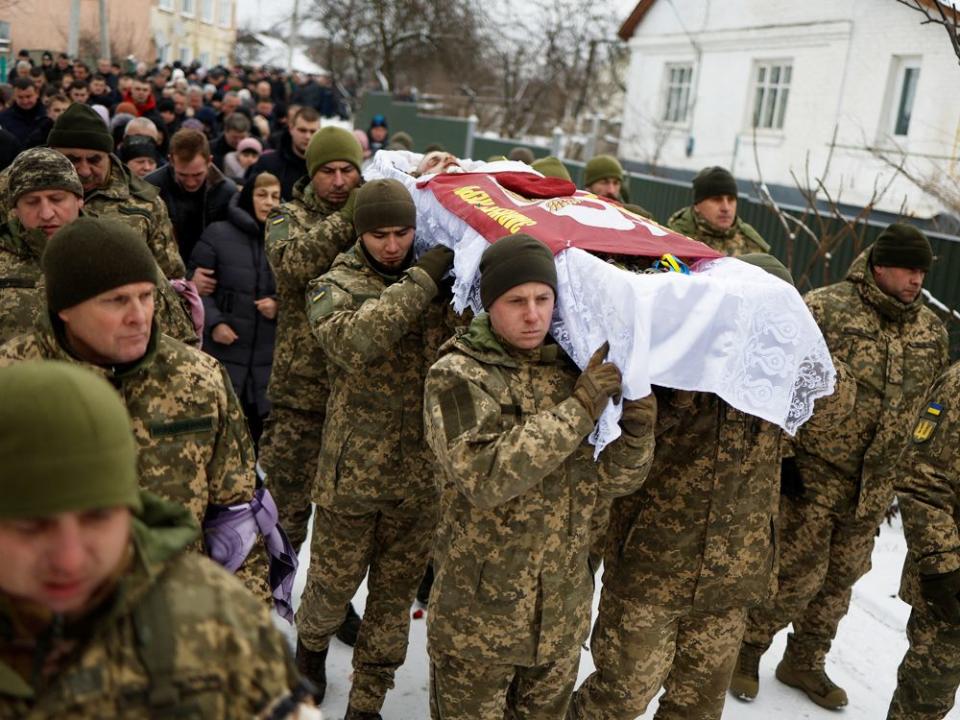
[
  {"x": 941, "y": 593},
  {"x": 791, "y": 484},
  {"x": 435, "y": 262}
]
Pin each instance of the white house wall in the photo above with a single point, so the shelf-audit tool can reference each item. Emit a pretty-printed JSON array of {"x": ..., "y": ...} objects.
[{"x": 841, "y": 54}]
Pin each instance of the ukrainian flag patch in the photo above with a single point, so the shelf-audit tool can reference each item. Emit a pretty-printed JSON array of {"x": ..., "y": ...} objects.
[{"x": 927, "y": 424}]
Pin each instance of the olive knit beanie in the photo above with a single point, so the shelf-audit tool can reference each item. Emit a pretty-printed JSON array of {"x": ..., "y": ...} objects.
[
  {"x": 330, "y": 144},
  {"x": 712, "y": 182},
  {"x": 41, "y": 168},
  {"x": 902, "y": 245},
  {"x": 66, "y": 443},
  {"x": 91, "y": 256},
  {"x": 769, "y": 263},
  {"x": 512, "y": 261},
  {"x": 401, "y": 141},
  {"x": 381, "y": 204},
  {"x": 522, "y": 154},
  {"x": 551, "y": 166},
  {"x": 80, "y": 127},
  {"x": 602, "y": 167}
]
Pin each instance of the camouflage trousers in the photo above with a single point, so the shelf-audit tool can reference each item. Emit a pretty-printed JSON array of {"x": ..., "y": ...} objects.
[
  {"x": 393, "y": 544},
  {"x": 929, "y": 674},
  {"x": 479, "y": 690},
  {"x": 289, "y": 452},
  {"x": 822, "y": 555},
  {"x": 637, "y": 648}
]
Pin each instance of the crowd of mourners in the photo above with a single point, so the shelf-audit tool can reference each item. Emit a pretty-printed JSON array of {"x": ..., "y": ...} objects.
[{"x": 213, "y": 328}]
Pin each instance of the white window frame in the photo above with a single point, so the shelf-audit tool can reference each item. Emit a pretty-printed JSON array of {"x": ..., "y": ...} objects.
[
  {"x": 188, "y": 8},
  {"x": 206, "y": 11},
  {"x": 184, "y": 55},
  {"x": 225, "y": 12},
  {"x": 906, "y": 66},
  {"x": 677, "y": 90},
  {"x": 205, "y": 59},
  {"x": 770, "y": 94},
  {"x": 165, "y": 5}
]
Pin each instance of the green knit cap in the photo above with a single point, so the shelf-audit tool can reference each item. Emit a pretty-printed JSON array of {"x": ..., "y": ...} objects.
[
  {"x": 401, "y": 141},
  {"x": 512, "y": 261},
  {"x": 41, "y": 168},
  {"x": 713, "y": 182},
  {"x": 91, "y": 256},
  {"x": 602, "y": 167},
  {"x": 902, "y": 245},
  {"x": 80, "y": 127},
  {"x": 330, "y": 144},
  {"x": 381, "y": 204},
  {"x": 551, "y": 166},
  {"x": 66, "y": 444},
  {"x": 769, "y": 263}
]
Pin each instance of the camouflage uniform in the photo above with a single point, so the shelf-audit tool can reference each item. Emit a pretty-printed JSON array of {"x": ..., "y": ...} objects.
[
  {"x": 895, "y": 351},
  {"x": 737, "y": 240},
  {"x": 21, "y": 288},
  {"x": 194, "y": 447},
  {"x": 928, "y": 486},
  {"x": 179, "y": 637},
  {"x": 375, "y": 488},
  {"x": 510, "y": 604},
  {"x": 685, "y": 556},
  {"x": 304, "y": 236}
]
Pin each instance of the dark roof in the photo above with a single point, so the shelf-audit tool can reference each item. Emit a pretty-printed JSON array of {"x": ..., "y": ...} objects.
[{"x": 630, "y": 24}]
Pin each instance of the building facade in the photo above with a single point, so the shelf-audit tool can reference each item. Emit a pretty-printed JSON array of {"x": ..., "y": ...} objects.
[
  {"x": 790, "y": 92},
  {"x": 189, "y": 30}
]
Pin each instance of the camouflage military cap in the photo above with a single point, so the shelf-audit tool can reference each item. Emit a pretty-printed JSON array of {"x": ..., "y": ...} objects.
[{"x": 42, "y": 168}]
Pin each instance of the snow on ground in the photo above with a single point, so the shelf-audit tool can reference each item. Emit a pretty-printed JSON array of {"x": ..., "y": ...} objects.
[{"x": 864, "y": 659}]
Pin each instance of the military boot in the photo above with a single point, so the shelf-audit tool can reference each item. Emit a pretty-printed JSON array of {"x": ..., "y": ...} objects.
[
  {"x": 745, "y": 683},
  {"x": 312, "y": 664},
  {"x": 361, "y": 715},
  {"x": 350, "y": 627},
  {"x": 815, "y": 683}
]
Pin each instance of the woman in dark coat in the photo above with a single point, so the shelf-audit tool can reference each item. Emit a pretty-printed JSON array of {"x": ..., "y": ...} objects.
[{"x": 241, "y": 314}]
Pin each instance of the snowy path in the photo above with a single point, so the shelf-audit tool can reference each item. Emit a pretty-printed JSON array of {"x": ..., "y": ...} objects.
[{"x": 864, "y": 659}]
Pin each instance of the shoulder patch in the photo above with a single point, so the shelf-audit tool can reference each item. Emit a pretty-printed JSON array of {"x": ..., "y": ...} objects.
[
  {"x": 456, "y": 408},
  {"x": 319, "y": 301},
  {"x": 278, "y": 228},
  {"x": 927, "y": 424},
  {"x": 180, "y": 427}
]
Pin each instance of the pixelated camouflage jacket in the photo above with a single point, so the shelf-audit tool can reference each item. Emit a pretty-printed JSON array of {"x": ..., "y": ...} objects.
[
  {"x": 130, "y": 200},
  {"x": 22, "y": 296},
  {"x": 21, "y": 279},
  {"x": 380, "y": 334},
  {"x": 928, "y": 487},
  {"x": 178, "y": 638},
  {"x": 304, "y": 237},
  {"x": 513, "y": 584},
  {"x": 895, "y": 351},
  {"x": 737, "y": 240}
]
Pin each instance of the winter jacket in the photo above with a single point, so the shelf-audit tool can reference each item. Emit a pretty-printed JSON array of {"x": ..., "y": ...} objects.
[
  {"x": 191, "y": 213},
  {"x": 234, "y": 250},
  {"x": 176, "y": 636},
  {"x": 739, "y": 239},
  {"x": 22, "y": 122},
  {"x": 519, "y": 490},
  {"x": 285, "y": 164},
  {"x": 895, "y": 351}
]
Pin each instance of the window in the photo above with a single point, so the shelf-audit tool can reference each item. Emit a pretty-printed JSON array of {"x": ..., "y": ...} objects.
[
  {"x": 184, "y": 55},
  {"x": 187, "y": 7},
  {"x": 909, "y": 76},
  {"x": 205, "y": 59},
  {"x": 677, "y": 80},
  {"x": 165, "y": 5},
  {"x": 206, "y": 11},
  {"x": 770, "y": 96},
  {"x": 226, "y": 13}
]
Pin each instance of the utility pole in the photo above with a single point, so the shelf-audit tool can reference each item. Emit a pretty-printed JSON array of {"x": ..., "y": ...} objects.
[
  {"x": 73, "y": 36},
  {"x": 104, "y": 30},
  {"x": 292, "y": 38}
]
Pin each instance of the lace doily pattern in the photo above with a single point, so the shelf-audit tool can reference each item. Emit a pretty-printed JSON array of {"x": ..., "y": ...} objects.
[{"x": 728, "y": 328}]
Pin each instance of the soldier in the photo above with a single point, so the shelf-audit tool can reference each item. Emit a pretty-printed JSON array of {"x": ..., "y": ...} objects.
[
  {"x": 46, "y": 195},
  {"x": 194, "y": 444},
  {"x": 603, "y": 175},
  {"x": 840, "y": 484},
  {"x": 304, "y": 236},
  {"x": 379, "y": 320},
  {"x": 507, "y": 416},
  {"x": 928, "y": 487},
  {"x": 103, "y": 612},
  {"x": 713, "y": 219},
  {"x": 686, "y": 555}
]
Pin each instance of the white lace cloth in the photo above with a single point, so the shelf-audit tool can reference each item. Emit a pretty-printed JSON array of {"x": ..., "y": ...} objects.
[{"x": 728, "y": 328}]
